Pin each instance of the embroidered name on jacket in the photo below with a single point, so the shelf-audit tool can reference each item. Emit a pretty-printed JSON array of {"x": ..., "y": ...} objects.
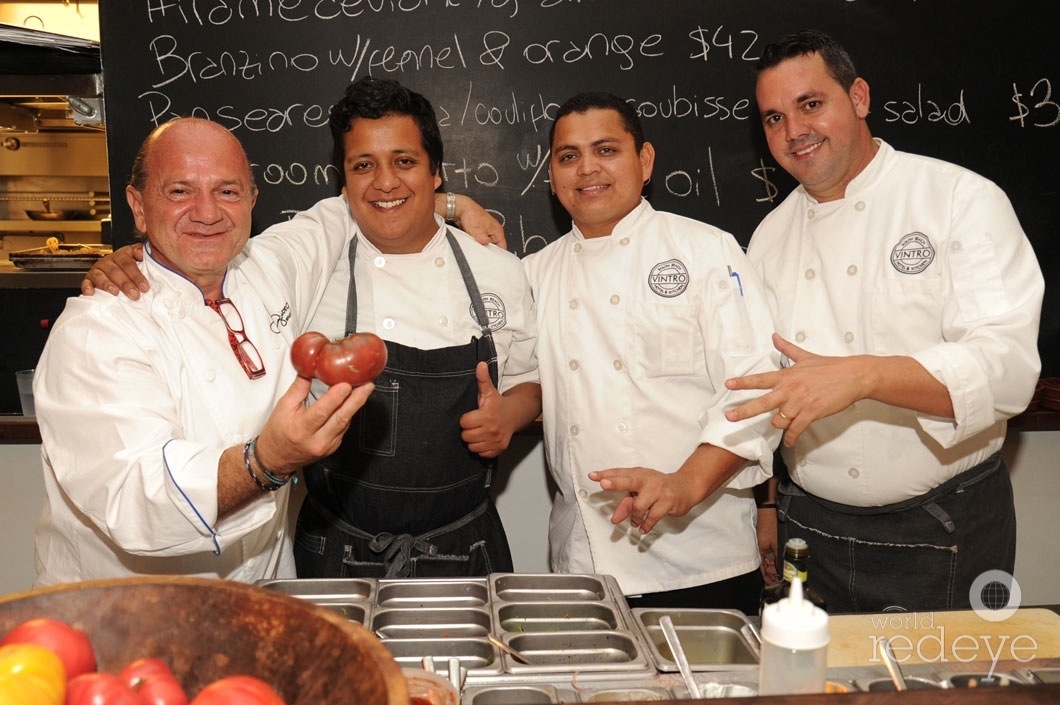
[
  {"x": 912, "y": 254},
  {"x": 494, "y": 311},
  {"x": 669, "y": 278}
]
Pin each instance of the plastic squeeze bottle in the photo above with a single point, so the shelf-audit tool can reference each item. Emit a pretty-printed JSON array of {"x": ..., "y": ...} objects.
[{"x": 794, "y": 645}]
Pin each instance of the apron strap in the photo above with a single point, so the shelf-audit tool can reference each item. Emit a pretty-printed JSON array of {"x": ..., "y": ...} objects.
[{"x": 397, "y": 548}]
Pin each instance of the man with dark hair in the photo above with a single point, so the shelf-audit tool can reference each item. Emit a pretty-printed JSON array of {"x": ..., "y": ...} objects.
[
  {"x": 409, "y": 491},
  {"x": 908, "y": 304},
  {"x": 641, "y": 314}
]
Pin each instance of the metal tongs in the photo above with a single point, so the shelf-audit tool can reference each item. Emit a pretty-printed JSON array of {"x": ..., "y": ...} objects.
[{"x": 892, "y": 665}]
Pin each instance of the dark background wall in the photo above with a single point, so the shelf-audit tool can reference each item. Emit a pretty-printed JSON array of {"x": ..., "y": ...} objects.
[{"x": 976, "y": 82}]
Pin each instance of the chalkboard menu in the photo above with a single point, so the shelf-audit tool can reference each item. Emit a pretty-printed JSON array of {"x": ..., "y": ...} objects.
[{"x": 976, "y": 82}]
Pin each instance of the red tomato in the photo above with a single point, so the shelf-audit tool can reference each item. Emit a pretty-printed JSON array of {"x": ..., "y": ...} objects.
[
  {"x": 304, "y": 353},
  {"x": 31, "y": 667},
  {"x": 154, "y": 682},
  {"x": 70, "y": 644},
  {"x": 357, "y": 358},
  {"x": 100, "y": 689},
  {"x": 238, "y": 690}
]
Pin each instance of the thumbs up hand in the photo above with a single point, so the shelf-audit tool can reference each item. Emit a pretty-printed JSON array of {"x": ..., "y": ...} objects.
[{"x": 486, "y": 430}]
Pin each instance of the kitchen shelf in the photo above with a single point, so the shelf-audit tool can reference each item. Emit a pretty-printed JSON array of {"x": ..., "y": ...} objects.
[{"x": 10, "y": 227}]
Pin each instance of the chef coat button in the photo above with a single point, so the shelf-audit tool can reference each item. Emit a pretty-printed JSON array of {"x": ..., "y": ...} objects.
[
  {"x": 211, "y": 375},
  {"x": 801, "y": 462},
  {"x": 852, "y": 269},
  {"x": 955, "y": 247},
  {"x": 859, "y": 206},
  {"x": 443, "y": 321},
  {"x": 615, "y": 298},
  {"x": 169, "y": 303},
  {"x": 622, "y": 427},
  {"x": 848, "y": 337},
  {"x": 572, "y": 304},
  {"x": 854, "y": 473},
  {"x": 577, "y": 247},
  {"x": 624, "y": 241},
  {"x": 439, "y": 261},
  {"x": 379, "y": 261},
  {"x": 800, "y": 337},
  {"x": 574, "y": 430},
  {"x": 810, "y": 274},
  {"x": 573, "y": 364},
  {"x": 617, "y": 364},
  {"x": 810, "y": 214},
  {"x": 389, "y": 323},
  {"x": 583, "y": 494}
]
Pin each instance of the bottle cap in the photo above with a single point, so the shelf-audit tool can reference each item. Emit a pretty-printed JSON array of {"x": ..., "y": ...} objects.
[{"x": 795, "y": 623}]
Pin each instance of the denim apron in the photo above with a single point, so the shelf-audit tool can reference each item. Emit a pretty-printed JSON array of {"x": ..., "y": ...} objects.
[{"x": 403, "y": 496}]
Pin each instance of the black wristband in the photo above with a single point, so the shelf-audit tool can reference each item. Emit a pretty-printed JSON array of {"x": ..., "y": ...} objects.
[{"x": 767, "y": 505}]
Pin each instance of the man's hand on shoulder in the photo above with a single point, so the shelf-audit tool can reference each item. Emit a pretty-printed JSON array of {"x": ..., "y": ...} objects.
[{"x": 117, "y": 272}]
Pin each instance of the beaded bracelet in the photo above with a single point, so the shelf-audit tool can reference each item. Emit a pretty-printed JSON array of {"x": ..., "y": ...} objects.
[
  {"x": 250, "y": 471},
  {"x": 269, "y": 475}
]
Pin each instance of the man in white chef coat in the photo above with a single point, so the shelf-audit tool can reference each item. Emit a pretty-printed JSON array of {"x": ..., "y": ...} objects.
[
  {"x": 909, "y": 302},
  {"x": 641, "y": 316},
  {"x": 171, "y": 426}
]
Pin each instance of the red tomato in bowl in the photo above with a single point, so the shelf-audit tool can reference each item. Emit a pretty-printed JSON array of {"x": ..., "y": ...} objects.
[
  {"x": 238, "y": 690},
  {"x": 154, "y": 682},
  {"x": 358, "y": 358},
  {"x": 70, "y": 644},
  {"x": 100, "y": 689}
]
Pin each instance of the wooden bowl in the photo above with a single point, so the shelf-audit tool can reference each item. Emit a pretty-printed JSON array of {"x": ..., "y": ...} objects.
[{"x": 207, "y": 629}]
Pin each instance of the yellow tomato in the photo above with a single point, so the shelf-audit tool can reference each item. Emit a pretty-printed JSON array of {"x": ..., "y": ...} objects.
[{"x": 31, "y": 674}]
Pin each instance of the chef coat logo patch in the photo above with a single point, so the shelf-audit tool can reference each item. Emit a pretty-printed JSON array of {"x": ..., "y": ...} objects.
[
  {"x": 913, "y": 254},
  {"x": 669, "y": 278},
  {"x": 494, "y": 311}
]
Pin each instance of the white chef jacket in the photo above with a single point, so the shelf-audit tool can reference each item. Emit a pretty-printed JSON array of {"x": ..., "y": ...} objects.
[
  {"x": 920, "y": 258},
  {"x": 136, "y": 401},
  {"x": 420, "y": 299},
  {"x": 637, "y": 333}
]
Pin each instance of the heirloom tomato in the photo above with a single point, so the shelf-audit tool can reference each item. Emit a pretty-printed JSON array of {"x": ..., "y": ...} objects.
[
  {"x": 70, "y": 644},
  {"x": 34, "y": 669},
  {"x": 100, "y": 689},
  {"x": 154, "y": 682},
  {"x": 238, "y": 690},
  {"x": 358, "y": 358}
]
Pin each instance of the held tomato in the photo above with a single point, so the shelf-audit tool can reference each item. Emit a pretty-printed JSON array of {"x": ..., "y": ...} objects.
[
  {"x": 31, "y": 667},
  {"x": 304, "y": 353},
  {"x": 154, "y": 682},
  {"x": 100, "y": 689},
  {"x": 70, "y": 644},
  {"x": 357, "y": 358},
  {"x": 238, "y": 690}
]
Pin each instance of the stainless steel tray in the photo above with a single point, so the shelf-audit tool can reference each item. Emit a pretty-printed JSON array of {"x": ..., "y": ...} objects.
[
  {"x": 713, "y": 639},
  {"x": 68, "y": 257}
]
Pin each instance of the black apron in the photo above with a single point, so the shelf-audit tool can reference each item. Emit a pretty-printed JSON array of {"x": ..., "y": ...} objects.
[{"x": 403, "y": 496}]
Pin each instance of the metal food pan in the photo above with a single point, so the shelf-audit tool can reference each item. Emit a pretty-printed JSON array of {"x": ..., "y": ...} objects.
[
  {"x": 545, "y": 587},
  {"x": 876, "y": 685},
  {"x": 625, "y": 694},
  {"x": 513, "y": 695},
  {"x": 421, "y": 592},
  {"x": 325, "y": 589},
  {"x": 478, "y": 656},
  {"x": 556, "y": 617},
  {"x": 443, "y": 623},
  {"x": 576, "y": 651},
  {"x": 355, "y": 612},
  {"x": 981, "y": 680},
  {"x": 713, "y": 639}
]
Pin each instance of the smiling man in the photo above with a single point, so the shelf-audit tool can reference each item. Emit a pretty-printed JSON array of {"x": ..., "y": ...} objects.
[
  {"x": 409, "y": 491},
  {"x": 641, "y": 315}
]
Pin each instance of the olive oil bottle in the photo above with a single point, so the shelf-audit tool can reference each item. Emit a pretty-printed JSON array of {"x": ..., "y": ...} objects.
[{"x": 796, "y": 563}]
